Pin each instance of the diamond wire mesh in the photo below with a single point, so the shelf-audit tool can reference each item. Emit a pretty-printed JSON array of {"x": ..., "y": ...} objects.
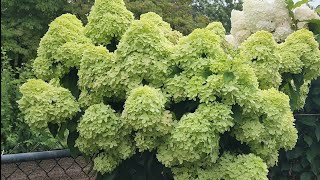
[{"x": 55, "y": 168}]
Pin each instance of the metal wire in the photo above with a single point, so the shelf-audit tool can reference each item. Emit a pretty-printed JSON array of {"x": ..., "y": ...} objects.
[{"x": 65, "y": 167}]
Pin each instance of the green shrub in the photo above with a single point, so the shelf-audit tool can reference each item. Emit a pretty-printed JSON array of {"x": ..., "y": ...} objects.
[{"x": 192, "y": 105}]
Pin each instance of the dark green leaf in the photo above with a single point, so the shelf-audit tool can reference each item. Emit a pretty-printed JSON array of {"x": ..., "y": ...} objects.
[
  {"x": 228, "y": 76},
  {"x": 315, "y": 166},
  {"x": 71, "y": 141},
  {"x": 297, "y": 167},
  {"x": 317, "y": 132},
  {"x": 304, "y": 162},
  {"x": 308, "y": 139},
  {"x": 313, "y": 152},
  {"x": 53, "y": 128},
  {"x": 294, "y": 96},
  {"x": 317, "y": 37},
  {"x": 314, "y": 25},
  {"x": 62, "y": 130},
  {"x": 70, "y": 80},
  {"x": 308, "y": 120},
  {"x": 295, "y": 153},
  {"x": 285, "y": 166},
  {"x": 306, "y": 176},
  {"x": 298, "y": 80},
  {"x": 109, "y": 176}
]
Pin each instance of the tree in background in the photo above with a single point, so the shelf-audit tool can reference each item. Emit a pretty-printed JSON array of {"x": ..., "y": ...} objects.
[
  {"x": 179, "y": 13},
  {"x": 218, "y": 10},
  {"x": 23, "y": 23}
]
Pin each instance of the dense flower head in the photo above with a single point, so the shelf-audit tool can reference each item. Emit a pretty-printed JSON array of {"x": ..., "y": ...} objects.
[
  {"x": 304, "y": 13},
  {"x": 272, "y": 16},
  {"x": 165, "y": 28},
  {"x": 260, "y": 49},
  {"x": 195, "y": 139},
  {"x": 98, "y": 128},
  {"x": 43, "y": 103},
  {"x": 144, "y": 111},
  {"x": 101, "y": 129},
  {"x": 270, "y": 129},
  {"x": 60, "y": 48},
  {"x": 141, "y": 56},
  {"x": 108, "y": 19},
  {"x": 300, "y": 52},
  {"x": 229, "y": 167},
  {"x": 94, "y": 66},
  {"x": 240, "y": 167}
]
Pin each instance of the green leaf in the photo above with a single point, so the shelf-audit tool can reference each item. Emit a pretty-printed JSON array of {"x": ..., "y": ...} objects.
[
  {"x": 317, "y": 37},
  {"x": 53, "y": 128},
  {"x": 308, "y": 139},
  {"x": 315, "y": 166},
  {"x": 297, "y": 167},
  {"x": 108, "y": 176},
  {"x": 228, "y": 76},
  {"x": 313, "y": 152},
  {"x": 299, "y": 3},
  {"x": 314, "y": 25},
  {"x": 73, "y": 123},
  {"x": 298, "y": 80},
  {"x": 294, "y": 96},
  {"x": 317, "y": 132},
  {"x": 295, "y": 153},
  {"x": 315, "y": 21},
  {"x": 285, "y": 166},
  {"x": 304, "y": 162},
  {"x": 62, "y": 129},
  {"x": 309, "y": 121},
  {"x": 71, "y": 141},
  {"x": 290, "y": 4},
  {"x": 306, "y": 176}
]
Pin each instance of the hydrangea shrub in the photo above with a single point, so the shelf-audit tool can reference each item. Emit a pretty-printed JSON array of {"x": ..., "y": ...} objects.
[{"x": 193, "y": 105}]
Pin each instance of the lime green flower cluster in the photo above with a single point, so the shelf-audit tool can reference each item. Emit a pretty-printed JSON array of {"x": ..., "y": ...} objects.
[
  {"x": 195, "y": 139},
  {"x": 155, "y": 69},
  {"x": 300, "y": 53},
  {"x": 94, "y": 66},
  {"x": 238, "y": 167},
  {"x": 101, "y": 129},
  {"x": 107, "y": 20},
  {"x": 144, "y": 111},
  {"x": 269, "y": 129},
  {"x": 60, "y": 48},
  {"x": 43, "y": 103},
  {"x": 228, "y": 167},
  {"x": 259, "y": 49}
]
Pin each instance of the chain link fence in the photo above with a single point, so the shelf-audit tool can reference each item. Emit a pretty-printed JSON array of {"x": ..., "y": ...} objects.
[{"x": 56, "y": 164}]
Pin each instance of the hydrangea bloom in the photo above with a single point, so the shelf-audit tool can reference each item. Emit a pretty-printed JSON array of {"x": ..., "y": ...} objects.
[
  {"x": 304, "y": 13},
  {"x": 60, "y": 48},
  {"x": 144, "y": 112},
  {"x": 107, "y": 19},
  {"x": 267, "y": 15},
  {"x": 43, "y": 103}
]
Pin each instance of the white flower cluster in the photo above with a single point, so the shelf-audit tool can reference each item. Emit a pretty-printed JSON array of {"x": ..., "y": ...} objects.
[
  {"x": 304, "y": 13},
  {"x": 269, "y": 15}
]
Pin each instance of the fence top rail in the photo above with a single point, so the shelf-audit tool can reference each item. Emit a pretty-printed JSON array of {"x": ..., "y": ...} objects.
[{"x": 34, "y": 156}]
